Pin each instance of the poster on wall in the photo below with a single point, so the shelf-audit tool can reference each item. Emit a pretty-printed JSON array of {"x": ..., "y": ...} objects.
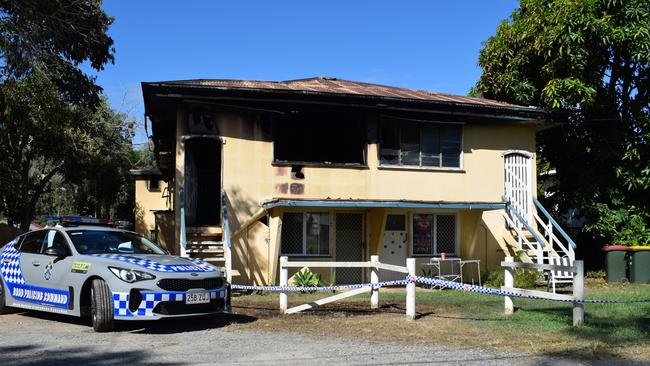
[{"x": 423, "y": 234}]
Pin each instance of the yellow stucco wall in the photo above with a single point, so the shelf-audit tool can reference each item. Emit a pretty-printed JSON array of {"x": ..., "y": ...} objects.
[
  {"x": 249, "y": 178},
  {"x": 147, "y": 201}
]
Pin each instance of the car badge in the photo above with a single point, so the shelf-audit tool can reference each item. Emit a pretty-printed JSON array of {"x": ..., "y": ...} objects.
[{"x": 194, "y": 274}]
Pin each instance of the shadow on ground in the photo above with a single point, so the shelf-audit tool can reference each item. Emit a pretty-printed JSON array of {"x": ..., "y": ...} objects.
[
  {"x": 37, "y": 355},
  {"x": 162, "y": 326}
]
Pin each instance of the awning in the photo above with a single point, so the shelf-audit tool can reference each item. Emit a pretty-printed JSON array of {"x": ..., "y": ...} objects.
[{"x": 278, "y": 202}]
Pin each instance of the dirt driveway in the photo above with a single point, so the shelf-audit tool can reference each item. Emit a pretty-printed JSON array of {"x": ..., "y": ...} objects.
[{"x": 37, "y": 338}]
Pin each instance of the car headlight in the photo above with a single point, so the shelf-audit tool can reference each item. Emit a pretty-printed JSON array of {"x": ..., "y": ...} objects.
[{"x": 131, "y": 275}]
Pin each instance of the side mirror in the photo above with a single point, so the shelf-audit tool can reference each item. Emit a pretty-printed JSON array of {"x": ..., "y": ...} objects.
[{"x": 57, "y": 252}]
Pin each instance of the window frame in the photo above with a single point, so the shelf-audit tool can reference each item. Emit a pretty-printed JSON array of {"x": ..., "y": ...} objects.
[
  {"x": 304, "y": 235},
  {"x": 434, "y": 246},
  {"x": 461, "y": 163}
]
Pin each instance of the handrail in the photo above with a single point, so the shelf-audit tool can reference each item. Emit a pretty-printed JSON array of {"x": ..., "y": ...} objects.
[
  {"x": 518, "y": 230},
  {"x": 552, "y": 237},
  {"x": 183, "y": 233},
  {"x": 527, "y": 226},
  {"x": 554, "y": 223},
  {"x": 226, "y": 235}
]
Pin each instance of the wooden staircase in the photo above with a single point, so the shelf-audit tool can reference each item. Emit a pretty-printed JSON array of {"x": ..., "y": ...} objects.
[
  {"x": 206, "y": 243},
  {"x": 539, "y": 241}
]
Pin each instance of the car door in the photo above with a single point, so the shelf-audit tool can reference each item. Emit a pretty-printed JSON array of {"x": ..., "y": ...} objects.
[{"x": 45, "y": 274}]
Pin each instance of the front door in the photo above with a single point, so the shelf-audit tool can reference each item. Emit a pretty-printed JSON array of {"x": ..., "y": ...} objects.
[
  {"x": 202, "y": 181},
  {"x": 349, "y": 246},
  {"x": 518, "y": 182},
  {"x": 394, "y": 247}
]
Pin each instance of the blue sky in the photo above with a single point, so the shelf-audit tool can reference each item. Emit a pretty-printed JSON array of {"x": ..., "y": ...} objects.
[{"x": 431, "y": 45}]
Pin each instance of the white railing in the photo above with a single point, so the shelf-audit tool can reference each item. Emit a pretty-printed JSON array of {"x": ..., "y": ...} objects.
[
  {"x": 373, "y": 264},
  {"x": 227, "y": 252},
  {"x": 550, "y": 227},
  {"x": 578, "y": 286},
  {"x": 183, "y": 233}
]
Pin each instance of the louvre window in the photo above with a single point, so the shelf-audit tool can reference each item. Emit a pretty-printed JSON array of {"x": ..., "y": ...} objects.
[
  {"x": 420, "y": 144},
  {"x": 306, "y": 234},
  {"x": 434, "y": 234}
]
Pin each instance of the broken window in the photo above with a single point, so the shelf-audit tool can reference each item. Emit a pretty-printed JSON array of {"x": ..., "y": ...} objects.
[
  {"x": 420, "y": 144},
  {"x": 434, "y": 234},
  {"x": 323, "y": 137},
  {"x": 305, "y": 233}
]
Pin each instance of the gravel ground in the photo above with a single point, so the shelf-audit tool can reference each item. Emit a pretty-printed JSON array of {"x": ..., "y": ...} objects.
[{"x": 37, "y": 338}]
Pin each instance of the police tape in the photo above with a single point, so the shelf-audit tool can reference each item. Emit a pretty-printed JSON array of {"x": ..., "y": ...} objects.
[
  {"x": 321, "y": 288},
  {"x": 431, "y": 282}
]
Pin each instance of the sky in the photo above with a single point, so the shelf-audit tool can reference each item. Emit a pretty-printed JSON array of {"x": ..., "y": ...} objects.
[{"x": 430, "y": 45}]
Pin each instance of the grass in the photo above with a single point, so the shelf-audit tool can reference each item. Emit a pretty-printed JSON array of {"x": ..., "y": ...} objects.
[{"x": 476, "y": 320}]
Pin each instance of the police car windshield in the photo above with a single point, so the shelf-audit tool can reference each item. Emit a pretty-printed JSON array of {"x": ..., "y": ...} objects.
[{"x": 112, "y": 242}]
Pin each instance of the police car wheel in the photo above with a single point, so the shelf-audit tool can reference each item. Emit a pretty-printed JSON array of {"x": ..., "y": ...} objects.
[
  {"x": 101, "y": 306},
  {"x": 3, "y": 300}
]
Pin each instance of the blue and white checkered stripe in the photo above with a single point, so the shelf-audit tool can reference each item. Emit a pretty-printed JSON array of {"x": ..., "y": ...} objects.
[
  {"x": 320, "y": 288},
  {"x": 198, "y": 266},
  {"x": 149, "y": 302},
  {"x": 427, "y": 281},
  {"x": 10, "y": 270}
]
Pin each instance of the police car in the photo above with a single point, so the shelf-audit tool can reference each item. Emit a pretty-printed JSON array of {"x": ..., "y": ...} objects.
[{"x": 108, "y": 274}]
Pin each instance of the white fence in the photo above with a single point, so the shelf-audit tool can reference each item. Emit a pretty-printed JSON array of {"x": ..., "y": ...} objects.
[
  {"x": 373, "y": 264},
  {"x": 578, "y": 286}
]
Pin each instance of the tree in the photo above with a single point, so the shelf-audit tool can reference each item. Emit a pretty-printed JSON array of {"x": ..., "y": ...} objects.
[
  {"x": 592, "y": 58},
  {"x": 45, "y": 97}
]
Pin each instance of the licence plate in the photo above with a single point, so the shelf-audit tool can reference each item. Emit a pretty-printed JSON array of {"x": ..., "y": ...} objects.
[{"x": 199, "y": 297}]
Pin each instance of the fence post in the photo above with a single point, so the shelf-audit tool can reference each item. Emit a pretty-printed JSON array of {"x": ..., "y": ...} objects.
[
  {"x": 509, "y": 282},
  {"x": 284, "y": 281},
  {"x": 578, "y": 294},
  {"x": 410, "y": 290},
  {"x": 374, "y": 278}
]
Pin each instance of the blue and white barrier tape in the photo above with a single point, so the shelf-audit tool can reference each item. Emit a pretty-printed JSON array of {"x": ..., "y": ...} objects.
[
  {"x": 493, "y": 291},
  {"x": 321, "y": 288},
  {"x": 428, "y": 281}
]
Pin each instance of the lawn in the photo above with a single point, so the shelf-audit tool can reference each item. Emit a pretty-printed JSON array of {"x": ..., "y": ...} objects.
[{"x": 474, "y": 320}]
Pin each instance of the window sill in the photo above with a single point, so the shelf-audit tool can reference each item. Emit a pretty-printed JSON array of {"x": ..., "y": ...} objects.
[
  {"x": 418, "y": 168},
  {"x": 320, "y": 165}
]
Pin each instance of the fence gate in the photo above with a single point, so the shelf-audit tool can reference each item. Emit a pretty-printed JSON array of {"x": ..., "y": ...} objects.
[
  {"x": 349, "y": 246},
  {"x": 518, "y": 182}
]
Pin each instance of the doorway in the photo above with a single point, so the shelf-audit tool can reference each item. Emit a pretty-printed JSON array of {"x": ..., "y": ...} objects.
[
  {"x": 202, "y": 186},
  {"x": 394, "y": 246},
  {"x": 349, "y": 246},
  {"x": 518, "y": 182}
]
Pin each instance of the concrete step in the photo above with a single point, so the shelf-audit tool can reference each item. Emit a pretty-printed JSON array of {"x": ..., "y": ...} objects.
[
  {"x": 204, "y": 250},
  {"x": 204, "y": 243},
  {"x": 213, "y": 259}
]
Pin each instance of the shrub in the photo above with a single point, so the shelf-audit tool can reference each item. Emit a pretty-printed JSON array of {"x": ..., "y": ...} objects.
[
  {"x": 306, "y": 278},
  {"x": 523, "y": 278}
]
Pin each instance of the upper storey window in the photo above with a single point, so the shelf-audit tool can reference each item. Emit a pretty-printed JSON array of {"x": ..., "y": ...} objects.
[
  {"x": 320, "y": 137},
  {"x": 420, "y": 144}
]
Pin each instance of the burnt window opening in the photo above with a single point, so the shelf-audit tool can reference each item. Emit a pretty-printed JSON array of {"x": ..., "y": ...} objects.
[
  {"x": 420, "y": 144},
  {"x": 320, "y": 137},
  {"x": 154, "y": 184}
]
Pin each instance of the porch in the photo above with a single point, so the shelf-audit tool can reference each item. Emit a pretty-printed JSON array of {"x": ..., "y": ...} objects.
[{"x": 355, "y": 230}]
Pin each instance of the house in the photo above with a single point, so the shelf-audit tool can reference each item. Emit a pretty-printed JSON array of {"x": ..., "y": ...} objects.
[
  {"x": 152, "y": 206},
  {"x": 337, "y": 170}
]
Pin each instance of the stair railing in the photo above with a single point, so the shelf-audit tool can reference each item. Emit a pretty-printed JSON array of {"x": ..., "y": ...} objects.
[
  {"x": 551, "y": 225},
  {"x": 227, "y": 253},
  {"x": 183, "y": 234},
  {"x": 517, "y": 221}
]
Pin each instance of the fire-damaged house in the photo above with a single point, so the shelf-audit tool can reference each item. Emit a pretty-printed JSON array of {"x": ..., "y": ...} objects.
[{"x": 336, "y": 170}]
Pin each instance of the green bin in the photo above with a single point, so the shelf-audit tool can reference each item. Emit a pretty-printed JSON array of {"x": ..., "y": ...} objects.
[
  {"x": 615, "y": 262},
  {"x": 640, "y": 264}
]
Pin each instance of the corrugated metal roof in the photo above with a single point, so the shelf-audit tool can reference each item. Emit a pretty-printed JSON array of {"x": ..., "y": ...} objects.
[{"x": 328, "y": 85}]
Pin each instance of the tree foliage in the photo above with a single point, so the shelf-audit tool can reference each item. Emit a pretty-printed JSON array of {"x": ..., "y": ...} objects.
[
  {"x": 48, "y": 105},
  {"x": 591, "y": 57}
]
